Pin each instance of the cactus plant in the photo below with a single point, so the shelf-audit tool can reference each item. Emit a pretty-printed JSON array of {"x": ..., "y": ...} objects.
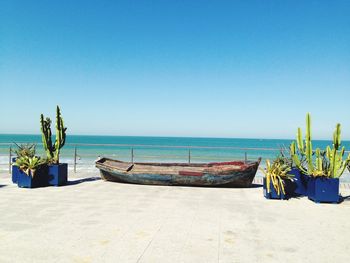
[
  {"x": 53, "y": 150},
  {"x": 327, "y": 163},
  {"x": 337, "y": 165},
  {"x": 303, "y": 152}
]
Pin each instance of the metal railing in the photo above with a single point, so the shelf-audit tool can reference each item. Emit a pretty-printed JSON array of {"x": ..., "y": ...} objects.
[{"x": 76, "y": 155}]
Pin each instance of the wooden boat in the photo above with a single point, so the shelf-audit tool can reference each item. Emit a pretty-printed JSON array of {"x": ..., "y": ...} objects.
[{"x": 233, "y": 174}]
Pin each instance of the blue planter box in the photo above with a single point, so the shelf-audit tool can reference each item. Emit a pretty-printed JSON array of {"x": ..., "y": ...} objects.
[
  {"x": 14, "y": 171},
  {"x": 27, "y": 181},
  {"x": 300, "y": 182},
  {"x": 273, "y": 194},
  {"x": 58, "y": 174},
  {"x": 323, "y": 190}
]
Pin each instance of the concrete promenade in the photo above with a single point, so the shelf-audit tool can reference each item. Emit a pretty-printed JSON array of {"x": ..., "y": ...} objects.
[{"x": 95, "y": 221}]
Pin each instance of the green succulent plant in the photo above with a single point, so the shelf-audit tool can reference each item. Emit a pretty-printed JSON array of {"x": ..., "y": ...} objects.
[
  {"x": 28, "y": 164},
  {"x": 276, "y": 173},
  {"x": 25, "y": 149}
]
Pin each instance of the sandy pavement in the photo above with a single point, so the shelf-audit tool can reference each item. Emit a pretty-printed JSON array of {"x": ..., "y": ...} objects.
[{"x": 95, "y": 221}]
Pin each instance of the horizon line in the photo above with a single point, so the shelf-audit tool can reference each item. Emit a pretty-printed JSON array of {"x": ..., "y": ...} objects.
[{"x": 171, "y": 136}]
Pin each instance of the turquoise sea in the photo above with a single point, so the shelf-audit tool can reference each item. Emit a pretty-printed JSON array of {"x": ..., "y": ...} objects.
[{"x": 161, "y": 149}]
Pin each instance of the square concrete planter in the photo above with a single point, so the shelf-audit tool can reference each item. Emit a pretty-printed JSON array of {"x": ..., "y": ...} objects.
[
  {"x": 14, "y": 171},
  {"x": 300, "y": 181},
  {"x": 57, "y": 174},
  {"x": 323, "y": 190},
  {"x": 28, "y": 181},
  {"x": 273, "y": 194}
]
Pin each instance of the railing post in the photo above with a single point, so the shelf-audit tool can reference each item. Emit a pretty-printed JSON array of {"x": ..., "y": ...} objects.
[
  {"x": 189, "y": 156},
  {"x": 132, "y": 154},
  {"x": 245, "y": 157},
  {"x": 10, "y": 160},
  {"x": 75, "y": 159}
]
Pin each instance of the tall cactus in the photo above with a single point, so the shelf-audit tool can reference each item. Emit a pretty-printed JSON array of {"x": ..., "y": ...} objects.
[
  {"x": 337, "y": 165},
  {"x": 319, "y": 161},
  {"x": 60, "y": 134},
  {"x": 308, "y": 144},
  {"x": 319, "y": 168},
  {"x": 53, "y": 150},
  {"x": 328, "y": 163},
  {"x": 304, "y": 148},
  {"x": 296, "y": 157},
  {"x": 46, "y": 136}
]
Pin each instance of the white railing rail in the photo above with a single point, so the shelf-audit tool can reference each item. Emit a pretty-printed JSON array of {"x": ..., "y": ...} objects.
[{"x": 8, "y": 150}]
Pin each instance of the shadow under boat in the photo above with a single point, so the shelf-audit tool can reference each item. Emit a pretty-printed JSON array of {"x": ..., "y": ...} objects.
[{"x": 345, "y": 198}]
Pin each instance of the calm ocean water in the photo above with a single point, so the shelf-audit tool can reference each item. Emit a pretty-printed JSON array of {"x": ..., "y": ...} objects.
[{"x": 254, "y": 148}]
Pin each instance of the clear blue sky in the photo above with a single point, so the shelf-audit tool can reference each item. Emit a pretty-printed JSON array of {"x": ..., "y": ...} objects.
[{"x": 176, "y": 68}]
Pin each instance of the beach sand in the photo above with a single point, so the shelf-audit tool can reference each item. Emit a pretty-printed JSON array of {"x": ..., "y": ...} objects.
[{"x": 91, "y": 220}]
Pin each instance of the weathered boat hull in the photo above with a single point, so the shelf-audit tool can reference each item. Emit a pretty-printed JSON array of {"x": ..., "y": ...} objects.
[{"x": 230, "y": 174}]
